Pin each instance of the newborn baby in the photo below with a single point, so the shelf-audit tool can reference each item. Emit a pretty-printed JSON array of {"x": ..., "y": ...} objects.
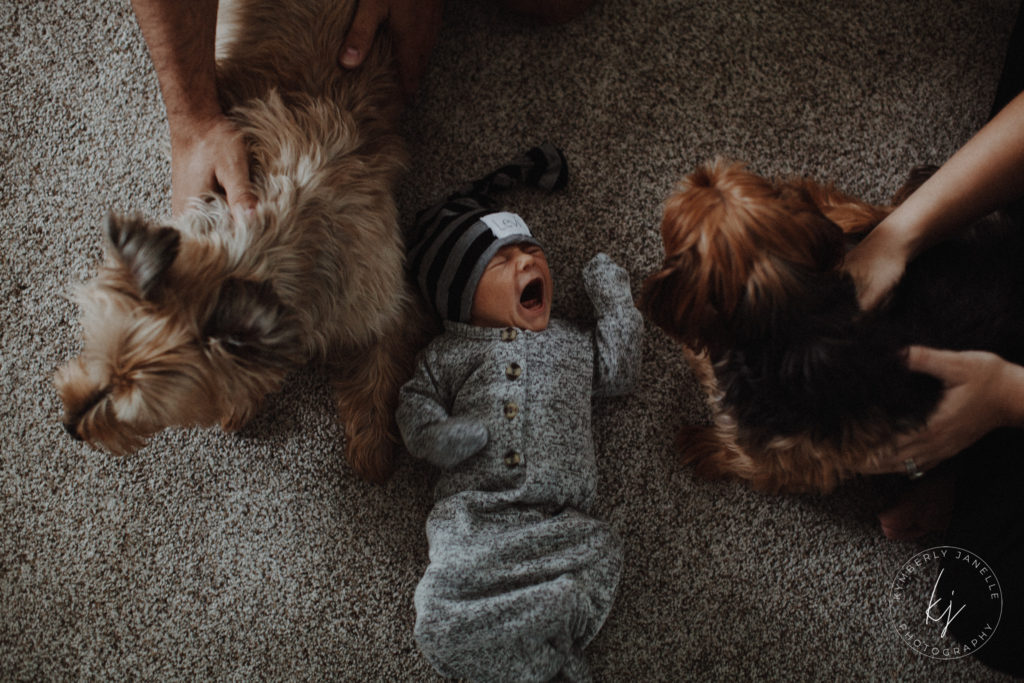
[{"x": 520, "y": 578}]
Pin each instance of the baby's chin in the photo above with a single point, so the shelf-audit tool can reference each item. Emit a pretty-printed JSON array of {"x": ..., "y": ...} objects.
[{"x": 535, "y": 325}]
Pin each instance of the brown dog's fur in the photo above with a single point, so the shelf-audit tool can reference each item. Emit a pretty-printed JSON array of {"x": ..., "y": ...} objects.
[
  {"x": 805, "y": 388},
  {"x": 194, "y": 322},
  {"x": 738, "y": 248}
]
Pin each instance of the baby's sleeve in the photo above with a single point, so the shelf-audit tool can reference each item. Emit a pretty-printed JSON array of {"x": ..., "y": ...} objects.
[
  {"x": 427, "y": 429},
  {"x": 619, "y": 333}
]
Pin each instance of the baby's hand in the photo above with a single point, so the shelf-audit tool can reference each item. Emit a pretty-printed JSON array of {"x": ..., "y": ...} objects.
[
  {"x": 606, "y": 283},
  {"x": 457, "y": 439}
]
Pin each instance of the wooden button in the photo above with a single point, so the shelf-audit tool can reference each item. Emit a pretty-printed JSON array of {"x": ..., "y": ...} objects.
[
  {"x": 513, "y": 459},
  {"x": 511, "y": 410},
  {"x": 509, "y": 334},
  {"x": 513, "y": 371}
]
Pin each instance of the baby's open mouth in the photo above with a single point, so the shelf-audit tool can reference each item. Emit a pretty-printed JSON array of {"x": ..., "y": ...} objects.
[{"x": 533, "y": 295}]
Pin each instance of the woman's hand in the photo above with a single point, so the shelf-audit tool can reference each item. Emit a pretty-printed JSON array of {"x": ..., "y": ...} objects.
[
  {"x": 876, "y": 265},
  {"x": 983, "y": 392}
]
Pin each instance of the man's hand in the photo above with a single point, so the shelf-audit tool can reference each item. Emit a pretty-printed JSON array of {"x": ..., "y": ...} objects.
[
  {"x": 207, "y": 155},
  {"x": 207, "y": 151},
  {"x": 414, "y": 26}
]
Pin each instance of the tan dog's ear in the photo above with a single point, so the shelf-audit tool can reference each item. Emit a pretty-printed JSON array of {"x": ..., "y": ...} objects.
[
  {"x": 250, "y": 322},
  {"x": 144, "y": 250}
]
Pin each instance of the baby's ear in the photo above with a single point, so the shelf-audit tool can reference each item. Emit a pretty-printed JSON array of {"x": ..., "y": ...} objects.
[{"x": 146, "y": 251}]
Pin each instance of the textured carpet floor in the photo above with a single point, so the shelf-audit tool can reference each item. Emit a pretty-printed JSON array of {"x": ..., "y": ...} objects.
[{"x": 259, "y": 555}]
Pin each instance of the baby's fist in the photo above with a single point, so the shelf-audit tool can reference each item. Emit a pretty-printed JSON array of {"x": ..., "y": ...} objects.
[{"x": 460, "y": 438}]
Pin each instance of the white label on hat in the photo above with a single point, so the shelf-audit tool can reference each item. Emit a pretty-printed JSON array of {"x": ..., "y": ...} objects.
[{"x": 504, "y": 223}]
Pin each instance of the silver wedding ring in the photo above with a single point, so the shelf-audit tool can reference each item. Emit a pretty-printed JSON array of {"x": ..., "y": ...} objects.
[{"x": 912, "y": 471}]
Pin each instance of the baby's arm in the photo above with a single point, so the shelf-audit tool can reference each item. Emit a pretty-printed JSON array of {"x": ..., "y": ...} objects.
[
  {"x": 428, "y": 430},
  {"x": 617, "y": 339}
]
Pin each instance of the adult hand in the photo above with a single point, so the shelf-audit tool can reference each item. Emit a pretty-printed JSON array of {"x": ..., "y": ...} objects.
[
  {"x": 206, "y": 155},
  {"x": 414, "y": 26},
  {"x": 983, "y": 392},
  {"x": 983, "y": 175},
  {"x": 876, "y": 265},
  {"x": 207, "y": 151}
]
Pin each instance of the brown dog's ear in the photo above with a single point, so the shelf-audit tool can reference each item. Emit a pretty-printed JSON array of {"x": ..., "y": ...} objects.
[
  {"x": 250, "y": 322},
  {"x": 146, "y": 251},
  {"x": 673, "y": 300}
]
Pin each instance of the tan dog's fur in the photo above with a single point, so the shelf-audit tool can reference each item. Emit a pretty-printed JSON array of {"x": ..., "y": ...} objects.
[{"x": 194, "y": 323}]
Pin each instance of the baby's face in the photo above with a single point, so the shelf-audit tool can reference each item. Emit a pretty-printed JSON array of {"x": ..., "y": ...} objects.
[{"x": 515, "y": 290}]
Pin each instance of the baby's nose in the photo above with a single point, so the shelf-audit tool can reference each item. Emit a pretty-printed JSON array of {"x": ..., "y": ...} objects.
[{"x": 524, "y": 260}]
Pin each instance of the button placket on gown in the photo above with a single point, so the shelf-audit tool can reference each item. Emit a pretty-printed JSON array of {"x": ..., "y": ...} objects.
[{"x": 511, "y": 367}]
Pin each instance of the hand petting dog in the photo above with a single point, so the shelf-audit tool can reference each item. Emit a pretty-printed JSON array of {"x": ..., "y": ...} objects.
[
  {"x": 213, "y": 155},
  {"x": 207, "y": 149},
  {"x": 983, "y": 392}
]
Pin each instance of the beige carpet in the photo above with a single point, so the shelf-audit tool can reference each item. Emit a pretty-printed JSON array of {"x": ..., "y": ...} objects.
[{"x": 259, "y": 555}]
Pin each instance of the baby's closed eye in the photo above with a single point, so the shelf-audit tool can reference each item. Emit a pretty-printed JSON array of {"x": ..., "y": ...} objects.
[{"x": 498, "y": 260}]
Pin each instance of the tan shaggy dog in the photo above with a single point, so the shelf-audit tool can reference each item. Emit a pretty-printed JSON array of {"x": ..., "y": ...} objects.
[{"x": 193, "y": 322}]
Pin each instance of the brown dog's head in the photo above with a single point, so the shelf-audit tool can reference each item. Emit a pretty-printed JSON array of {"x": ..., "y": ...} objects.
[
  {"x": 172, "y": 336},
  {"x": 739, "y": 251}
]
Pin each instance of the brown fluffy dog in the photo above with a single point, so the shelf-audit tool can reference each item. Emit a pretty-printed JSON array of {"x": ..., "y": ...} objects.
[
  {"x": 194, "y": 322},
  {"x": 805, "y": 389}
]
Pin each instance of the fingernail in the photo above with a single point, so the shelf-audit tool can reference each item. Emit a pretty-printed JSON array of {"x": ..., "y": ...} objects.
[{"x": 350, "y": 57}]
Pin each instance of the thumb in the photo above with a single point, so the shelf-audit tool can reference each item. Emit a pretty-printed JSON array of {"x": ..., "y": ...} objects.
[
  {"x": 243, "y": 206},
  {"x": 233, "y": 177},
  {"x": 368, "y": 19},
  {"x": 240, "y": 196},
  {"x": 929, "y": 361}
]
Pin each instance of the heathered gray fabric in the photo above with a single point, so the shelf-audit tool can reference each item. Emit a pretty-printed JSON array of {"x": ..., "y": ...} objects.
[{"x": 520, "y": 577}]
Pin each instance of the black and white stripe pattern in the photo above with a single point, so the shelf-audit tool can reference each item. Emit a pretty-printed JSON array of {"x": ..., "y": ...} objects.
[{"x": 454, "y": 241}]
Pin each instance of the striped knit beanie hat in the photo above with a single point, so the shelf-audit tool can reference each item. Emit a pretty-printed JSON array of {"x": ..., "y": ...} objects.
[{"x": 456, "y": 239}]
